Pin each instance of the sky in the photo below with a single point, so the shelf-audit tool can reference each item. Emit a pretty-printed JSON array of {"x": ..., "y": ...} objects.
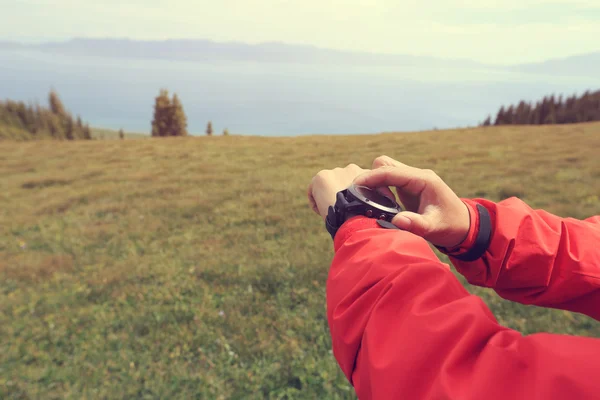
[{"x": 495, "y": 32}]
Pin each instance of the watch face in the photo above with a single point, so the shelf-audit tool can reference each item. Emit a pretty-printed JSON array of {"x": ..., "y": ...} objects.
[{"x": 375, "y": 197}]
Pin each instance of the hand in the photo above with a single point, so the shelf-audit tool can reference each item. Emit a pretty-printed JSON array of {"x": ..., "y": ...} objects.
[
  {"x": 327, "y": 183},
  {"x": 434, "y": 211}
]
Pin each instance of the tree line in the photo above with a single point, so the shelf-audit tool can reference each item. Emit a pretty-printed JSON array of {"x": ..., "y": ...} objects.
[
  {"x": 550, "y": 110},
  {"x": 25, "y": 121},
  {"x": 22, "y": 121}
]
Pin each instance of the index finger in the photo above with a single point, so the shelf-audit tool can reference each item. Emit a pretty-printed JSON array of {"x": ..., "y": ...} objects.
[{"x": 409, "y": 179}]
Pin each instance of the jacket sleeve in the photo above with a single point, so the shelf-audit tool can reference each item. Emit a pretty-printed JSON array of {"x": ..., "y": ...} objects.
[
  {"x": 403, "y": 326},
  {"x": 537, "y": 258}
]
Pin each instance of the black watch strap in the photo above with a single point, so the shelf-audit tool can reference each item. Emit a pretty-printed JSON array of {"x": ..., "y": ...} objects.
[
  {"x": 482, "y": 242},
  {"x": 346, "y": 208},
  {"x": 331, "y": 222}
]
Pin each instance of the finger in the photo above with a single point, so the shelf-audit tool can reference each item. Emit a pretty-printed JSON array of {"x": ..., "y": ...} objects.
[
  {"x": 385, "y": 161},
  {"x": 408, "y": 179},
  {"x": 415, "y": 223}
]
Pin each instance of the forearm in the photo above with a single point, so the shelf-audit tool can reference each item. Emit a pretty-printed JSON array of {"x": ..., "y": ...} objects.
[
  {"x": 538, "y": 258},
  {"x": 402, "y": 326}
]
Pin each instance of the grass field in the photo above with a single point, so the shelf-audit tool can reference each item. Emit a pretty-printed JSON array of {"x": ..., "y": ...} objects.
[{"x": 194, "y": 268}]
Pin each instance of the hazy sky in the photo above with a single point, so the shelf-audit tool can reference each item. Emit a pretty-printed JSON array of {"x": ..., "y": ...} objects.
[{"x": 507, "y": 31}]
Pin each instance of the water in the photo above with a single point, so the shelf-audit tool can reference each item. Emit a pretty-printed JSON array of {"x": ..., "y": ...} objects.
[{"x": 274, "y": 99}]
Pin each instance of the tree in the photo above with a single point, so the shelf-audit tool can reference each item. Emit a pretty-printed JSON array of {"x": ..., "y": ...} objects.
[
  {"x": 169, "y": 117},
  {"x": 162, "y": 109},
  {"x": 522, "y": 113},
  {"x": 54, "y": 125},
  {"x": 121, "y": 134},
  {"x": 56, "y": 106},
  {"x": 226, "y": 132},
  {"x": 177, "y": 118},
  {"x": 550, "y": 119},
  {"x": 70, "y": 129},
  {"x": 488, "y": 121},
  {"x": 209, "y": 129},
  {"x": 534, "y": 116},
  {"x": 500, "y": 117},
  {"x": 87, "y": 132},
  {"x": 510, "y": 116}
]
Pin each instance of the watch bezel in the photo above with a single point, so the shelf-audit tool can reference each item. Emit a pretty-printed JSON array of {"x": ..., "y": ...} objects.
[{"x": 371, "y": 203}]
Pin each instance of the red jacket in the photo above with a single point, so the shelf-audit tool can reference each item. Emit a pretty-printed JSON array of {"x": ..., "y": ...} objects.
[{"x": 403, "y": 327}]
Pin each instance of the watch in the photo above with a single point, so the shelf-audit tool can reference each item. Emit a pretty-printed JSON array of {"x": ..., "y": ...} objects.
[{"x": 360, "y": 200}]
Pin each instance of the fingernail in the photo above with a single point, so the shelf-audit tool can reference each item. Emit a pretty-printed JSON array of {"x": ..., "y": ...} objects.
[{"x": 402, "y": 222}]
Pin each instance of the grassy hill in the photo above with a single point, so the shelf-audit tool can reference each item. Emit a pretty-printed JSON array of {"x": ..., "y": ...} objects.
[{"x": 193, "y": 267}]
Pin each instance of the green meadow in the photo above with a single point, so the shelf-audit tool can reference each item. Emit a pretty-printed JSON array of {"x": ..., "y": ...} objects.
[{"x": 193, "y": 267}]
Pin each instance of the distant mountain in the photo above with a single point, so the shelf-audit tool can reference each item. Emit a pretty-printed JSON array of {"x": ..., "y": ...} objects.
[
  {"x": 207, "y": 51},
  {"x": 585, "y": 65},
  {"x": 5, "y": 45}
]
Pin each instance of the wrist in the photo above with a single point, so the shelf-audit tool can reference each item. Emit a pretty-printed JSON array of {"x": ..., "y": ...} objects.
[
  {"x": 467, "y": 231},
  {"x": 478, "y": 238},
  {"x": 465, "y": 235}
]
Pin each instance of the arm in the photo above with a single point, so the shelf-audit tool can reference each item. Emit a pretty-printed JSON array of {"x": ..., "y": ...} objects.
[
  {"x": 535, "y": 257},
  {"x": 402, "y": 326}
]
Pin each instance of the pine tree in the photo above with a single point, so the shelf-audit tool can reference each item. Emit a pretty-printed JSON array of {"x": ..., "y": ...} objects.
[
  {"x": 70, "y": 129},
  {"x": 121, "y": 134},
  {"x": 209, "y": 129},
  {"x": 500, "y": 117},
  {"x": 551, "y": 115},
  {"x": 534, "y": 115},
  {"x": 87, "y": 132},
  {"x": 509, "y": 116},
  {"x": 177, "y": 118},
  {"x": 162, "y": 111},
  {"x": 521, "y": 113},
  {"x": 56, "y": 106},
  {"x": 54, "y": 125}
]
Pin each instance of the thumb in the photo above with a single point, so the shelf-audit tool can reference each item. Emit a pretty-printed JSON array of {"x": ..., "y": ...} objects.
[{"x": 412, "y": 222}]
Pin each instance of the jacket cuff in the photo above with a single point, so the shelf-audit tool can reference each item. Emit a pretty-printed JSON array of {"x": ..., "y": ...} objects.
[
  {"x": 478, "y": 239},
  {"x": 352, "y": 225},
  {"x": 469, "y": 241}
]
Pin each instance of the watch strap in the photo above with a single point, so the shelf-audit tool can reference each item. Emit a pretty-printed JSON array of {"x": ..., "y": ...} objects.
[
  {"x": 331, "y": 222},
  {"x": 482, "y": 241},
  {"x": 340, "y": 212}
]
